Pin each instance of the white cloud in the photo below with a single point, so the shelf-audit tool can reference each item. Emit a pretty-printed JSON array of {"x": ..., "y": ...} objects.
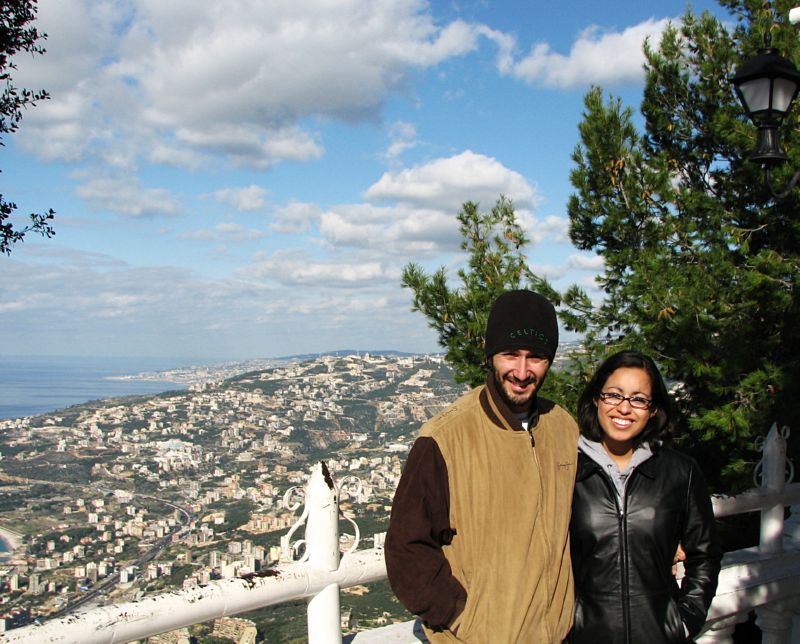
[
  {"x": 245, "y": 199},
  {"x": 338, "y": 307},
  {"x": 81, "y": 308},
  {"x": 79, "y": 34},
  {"x": 403, "y": 231},
  {"x": 46, "y": 253},
  {"x": 597, "y": 57},
  {"x": 421, "y": 223},
  {"x": 550, "y": 228},
  {"x": 245, "y": 147},
  {"x": 164, "y": 152},
  {"x": 448, "y": 182},
  {"x": 57, "y": 131},
  {"x": 592, "y": 263},
  {"x": 296, "y": 217},
  {"x": 82, "y": 40},
  {"x": 575, "y": 267},
  {"x": 86, "y": 308},
  {"x": 297, "y": 269},
  {"x": 403, "y": 137},
  {"x": 225, "y": 231},
  {"x": 214, "y": 79},
  {"x": 456, "y": 39},
  {"x": 251, "y": 84},
  {"x": 124, "y": 195}
]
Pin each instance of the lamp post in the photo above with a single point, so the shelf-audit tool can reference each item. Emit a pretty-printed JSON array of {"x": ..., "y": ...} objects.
[{"x": 766, "y": 86}]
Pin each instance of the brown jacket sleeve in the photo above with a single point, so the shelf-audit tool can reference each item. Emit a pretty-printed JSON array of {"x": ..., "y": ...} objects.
[{"x": 418, "y": 571}]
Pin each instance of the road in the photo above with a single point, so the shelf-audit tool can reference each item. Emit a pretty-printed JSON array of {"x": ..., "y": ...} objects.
[{"x": 157, "y": 548}]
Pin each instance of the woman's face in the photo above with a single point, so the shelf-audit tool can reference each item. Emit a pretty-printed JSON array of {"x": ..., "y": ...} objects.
[{"x": 623, "y": 422}]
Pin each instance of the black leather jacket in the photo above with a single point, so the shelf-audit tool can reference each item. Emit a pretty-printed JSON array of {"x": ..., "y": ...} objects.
[{"x": 622, "y": 552}]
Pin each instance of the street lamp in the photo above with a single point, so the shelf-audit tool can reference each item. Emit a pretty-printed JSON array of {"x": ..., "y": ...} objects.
[{"x": 766, "y": 86}]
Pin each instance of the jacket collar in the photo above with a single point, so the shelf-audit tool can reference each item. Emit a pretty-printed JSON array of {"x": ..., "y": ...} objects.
[
  {"x": 498, "y": 411},
  {"x": 588, "y": 466},
  {"x": 650, "y": 467}
]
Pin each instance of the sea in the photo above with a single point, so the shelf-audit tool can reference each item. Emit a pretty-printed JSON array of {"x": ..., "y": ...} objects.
[{"x": 32, "y": 385}]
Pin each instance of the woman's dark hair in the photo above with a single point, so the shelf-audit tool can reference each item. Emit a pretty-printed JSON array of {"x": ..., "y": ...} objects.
[{"x": 659, "y": 425}]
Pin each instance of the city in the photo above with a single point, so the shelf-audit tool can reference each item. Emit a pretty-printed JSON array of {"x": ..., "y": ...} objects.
[{"x": 116, "y": 499}]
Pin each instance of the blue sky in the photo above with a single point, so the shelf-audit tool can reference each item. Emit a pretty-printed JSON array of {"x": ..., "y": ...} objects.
[{"x": 246, "y": 179}]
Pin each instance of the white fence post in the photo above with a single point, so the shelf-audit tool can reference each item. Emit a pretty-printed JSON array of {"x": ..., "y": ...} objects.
[
  {"x": 775, "y": 622},
  {"x": 773, "y": 479},
  {"x": 322, "y": 549},
  {"x": 773, "y": 619}
]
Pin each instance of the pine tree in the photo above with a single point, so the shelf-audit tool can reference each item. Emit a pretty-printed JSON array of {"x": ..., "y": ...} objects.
[
  {"x": 701, "y": 262},
  {"x": 494, "y": 242}
]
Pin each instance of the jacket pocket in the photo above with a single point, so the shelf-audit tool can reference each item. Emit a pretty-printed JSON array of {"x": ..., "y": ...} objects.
[{"x": 673, "y": 624}]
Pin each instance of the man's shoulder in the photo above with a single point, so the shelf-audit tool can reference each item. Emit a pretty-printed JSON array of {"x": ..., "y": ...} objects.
[
  {"x": 453, "y": 415},
  {"x": 556, "y": 427},
  {"x": 554, "y": 413}
]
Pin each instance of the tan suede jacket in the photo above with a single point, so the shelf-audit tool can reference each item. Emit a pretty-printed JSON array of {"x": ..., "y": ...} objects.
[{"x": 478, "y": 542}]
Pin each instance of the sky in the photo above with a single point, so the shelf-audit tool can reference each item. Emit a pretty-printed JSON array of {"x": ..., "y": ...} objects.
[{"x": 247, "y": 179}]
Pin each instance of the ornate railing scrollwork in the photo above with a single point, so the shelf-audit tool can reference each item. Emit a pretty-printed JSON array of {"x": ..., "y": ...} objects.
[
  {"x": 353, "y": 487},
  {"x": 776, "y": 439},
  {"x": 319, "y": 493}
]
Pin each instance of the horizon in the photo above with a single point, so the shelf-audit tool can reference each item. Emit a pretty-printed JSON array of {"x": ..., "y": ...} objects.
[{"x": 210, "y": 360}]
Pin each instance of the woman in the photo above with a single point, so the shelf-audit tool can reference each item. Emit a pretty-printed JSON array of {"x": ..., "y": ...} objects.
[{"x": 634, "y": 503}]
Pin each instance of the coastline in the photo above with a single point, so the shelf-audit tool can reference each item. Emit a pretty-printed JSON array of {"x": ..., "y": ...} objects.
[
  {"x": 10, "y": 539},
  {"x": 34, "y": 386}
]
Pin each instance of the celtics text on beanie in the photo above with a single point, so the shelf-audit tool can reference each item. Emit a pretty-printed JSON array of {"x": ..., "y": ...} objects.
[{"x": 522, "y": 320}]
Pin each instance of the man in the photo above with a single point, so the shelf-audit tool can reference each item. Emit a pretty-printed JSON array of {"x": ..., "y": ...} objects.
[{"x": 478, "y": 544}]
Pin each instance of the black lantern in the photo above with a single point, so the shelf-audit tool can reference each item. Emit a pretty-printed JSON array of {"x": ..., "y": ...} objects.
[{"x": 766, "y": 85}]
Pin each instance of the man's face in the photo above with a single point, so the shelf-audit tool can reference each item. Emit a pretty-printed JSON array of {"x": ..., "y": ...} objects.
[{"x": 519, "y": 374}]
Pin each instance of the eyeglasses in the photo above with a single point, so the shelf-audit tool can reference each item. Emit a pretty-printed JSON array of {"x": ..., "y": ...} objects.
[{"x": 613, "y": 400}]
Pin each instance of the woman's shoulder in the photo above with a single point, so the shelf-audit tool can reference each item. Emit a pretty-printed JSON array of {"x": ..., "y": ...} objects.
[{"x": 673, "y": 458}]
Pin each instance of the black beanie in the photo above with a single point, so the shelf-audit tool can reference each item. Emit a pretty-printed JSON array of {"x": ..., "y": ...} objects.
[{"x": 522, "y": 320}]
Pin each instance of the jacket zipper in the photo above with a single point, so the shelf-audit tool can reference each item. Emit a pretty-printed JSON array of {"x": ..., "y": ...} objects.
[
  {"x": 622, "y": 535},
  {"x": 545, "y": 532}
]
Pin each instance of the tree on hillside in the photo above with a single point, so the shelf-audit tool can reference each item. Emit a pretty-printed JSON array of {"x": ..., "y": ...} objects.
[
  {"x": 701, "y": 263},
  {"x": 17, "y": 35},
  {"x": 494, "y": 243}
]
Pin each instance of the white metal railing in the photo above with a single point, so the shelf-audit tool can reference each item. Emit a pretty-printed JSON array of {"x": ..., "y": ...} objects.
[{"x": 765, "y": 578}]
